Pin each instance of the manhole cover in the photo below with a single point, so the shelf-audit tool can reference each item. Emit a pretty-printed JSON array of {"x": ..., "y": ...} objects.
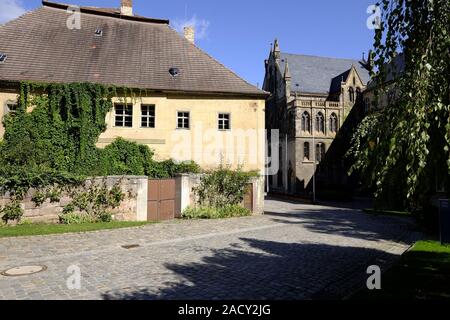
[
  {"x": 131, "y": 246},
  {"x": 23, "y": 271}
]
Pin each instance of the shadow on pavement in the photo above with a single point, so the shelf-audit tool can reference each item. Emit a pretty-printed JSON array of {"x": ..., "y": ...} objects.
[{"x": 259, "y": 269}]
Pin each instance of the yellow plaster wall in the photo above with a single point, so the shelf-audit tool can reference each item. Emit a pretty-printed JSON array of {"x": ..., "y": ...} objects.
[
  {"x": 243, "y": 145},
  {"x": 203, "y": 142}
]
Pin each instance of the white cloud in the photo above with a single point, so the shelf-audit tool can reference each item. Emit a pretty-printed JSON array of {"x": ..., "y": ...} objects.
[
  {"x": 200, "y": 25},
  {"x": 10, "y": 9}
]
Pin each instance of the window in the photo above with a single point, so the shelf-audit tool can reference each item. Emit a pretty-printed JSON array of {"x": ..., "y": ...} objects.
[
  {"x": 280, "y": 164},
  {"x": 224, "y": 121},
  {"x": 123, "y": 115},
  {"x": 333, "y": 123},
  {"x": 11, "y": 107},
  {"x": 3, "y": 57},
  {"x": 306, "y": 122},
  {"x": 358, "y": 94},
  {"x": 351, "y": 94},
  {"x": 183, "y": 120},
  {"x": 320, "y": 152},
  {"x": 306, "y": 155},
  {"x": 320, "y": 123},
  {"x": 148, "y": 116}
]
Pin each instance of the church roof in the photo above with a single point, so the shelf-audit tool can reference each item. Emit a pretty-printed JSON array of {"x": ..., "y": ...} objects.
[{"x": 312, "y": 74}]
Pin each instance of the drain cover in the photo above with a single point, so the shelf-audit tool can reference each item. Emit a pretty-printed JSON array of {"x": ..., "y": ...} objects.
[
  {"x": 23, "y": 271},
  {"x": 131, "y": 246}
]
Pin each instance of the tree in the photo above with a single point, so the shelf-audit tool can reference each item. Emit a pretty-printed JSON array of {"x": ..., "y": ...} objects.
[{"x": 403, "y": 150}]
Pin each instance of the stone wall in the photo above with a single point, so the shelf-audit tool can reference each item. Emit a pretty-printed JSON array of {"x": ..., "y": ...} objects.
[{"x": 133, "y": 208}]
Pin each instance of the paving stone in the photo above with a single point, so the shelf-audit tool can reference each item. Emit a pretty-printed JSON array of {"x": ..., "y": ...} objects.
[{"x": 295, "y": 251}]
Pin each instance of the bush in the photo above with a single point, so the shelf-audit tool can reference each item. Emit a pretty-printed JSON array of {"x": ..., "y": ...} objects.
[
  {"x": 223, "y": 187},
  {"x": 11, "y": 212},
  {"x": 76, "y": 218},
  {"x": 229, "y": 211}
]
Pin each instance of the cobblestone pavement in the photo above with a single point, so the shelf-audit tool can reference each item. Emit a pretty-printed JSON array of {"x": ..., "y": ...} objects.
[{"x": 295, "y": 251}]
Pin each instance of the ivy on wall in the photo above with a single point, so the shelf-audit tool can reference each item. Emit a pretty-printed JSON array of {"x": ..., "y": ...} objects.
[{"x": 50, "y": 141}]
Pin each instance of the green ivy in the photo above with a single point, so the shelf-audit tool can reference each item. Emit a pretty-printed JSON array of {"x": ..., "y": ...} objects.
[{"x": 51, "y": 141}]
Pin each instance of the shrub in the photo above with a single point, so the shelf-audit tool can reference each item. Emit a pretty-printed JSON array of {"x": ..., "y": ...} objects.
[
  {"x": 92, "y": 205},
  {"x": 76, "y": 218},
  {"x": 228, "y": 211},
  {"x": 11, "y": 211},
  {"x": 223, "y": 187}
]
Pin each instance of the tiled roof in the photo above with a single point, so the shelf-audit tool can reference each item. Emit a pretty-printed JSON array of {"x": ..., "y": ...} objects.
[
  {"x": 311, "y": 74},
  {"x": 133, "y": 52}
]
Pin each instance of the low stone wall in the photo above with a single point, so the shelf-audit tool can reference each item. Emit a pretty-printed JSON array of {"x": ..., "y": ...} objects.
[
  {"x": 133, "y": 208},
  {"x": 187, "y": 182}
]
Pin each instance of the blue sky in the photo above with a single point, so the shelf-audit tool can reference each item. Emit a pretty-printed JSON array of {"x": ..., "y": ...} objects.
[{"x": 238, "y": 33}]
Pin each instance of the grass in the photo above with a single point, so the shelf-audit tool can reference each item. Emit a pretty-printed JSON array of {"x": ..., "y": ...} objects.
[
  {"x": 422, "y": 273},
  {"x": 387, "y": 212},
  {"x": 45, "y": 229}
]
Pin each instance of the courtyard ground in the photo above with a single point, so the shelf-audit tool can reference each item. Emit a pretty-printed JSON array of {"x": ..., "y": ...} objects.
[{"x": 294, "y": 251}]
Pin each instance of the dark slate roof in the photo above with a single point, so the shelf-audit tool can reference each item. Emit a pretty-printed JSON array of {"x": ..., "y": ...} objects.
[
  {"x": 133, "y": 52},
  {"x": 393, "y": 70},
  {"x": 311, "y": 74}
]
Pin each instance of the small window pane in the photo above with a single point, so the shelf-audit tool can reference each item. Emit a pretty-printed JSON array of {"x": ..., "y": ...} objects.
[
  {"x": 224, "y": 121},
  {"x": 123, "y": 115},
  {"x": 183, "y": 120},
  {"x": 148, "y": 116}
]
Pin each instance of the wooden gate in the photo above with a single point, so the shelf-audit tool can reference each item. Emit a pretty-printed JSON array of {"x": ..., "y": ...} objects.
[{"x": 161, "y": 200}]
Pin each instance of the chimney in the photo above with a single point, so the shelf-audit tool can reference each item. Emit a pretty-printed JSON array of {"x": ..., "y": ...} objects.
[
  {"x": 189, "y": 34},
  {"x": 126, "y": 7}
]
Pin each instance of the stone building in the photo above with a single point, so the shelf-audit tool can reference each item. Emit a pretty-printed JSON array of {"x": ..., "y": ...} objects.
[{"x": 311, "y": 100}]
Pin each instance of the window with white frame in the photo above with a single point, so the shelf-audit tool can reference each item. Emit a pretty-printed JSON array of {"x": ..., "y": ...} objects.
[
  {"x": 123, "y": 115},
  {"x": 183, "y": 120},
  {"x": 11, "y": 107},
  {"x": 224, "y": 121},
  {"x": 148, "y": 116}
]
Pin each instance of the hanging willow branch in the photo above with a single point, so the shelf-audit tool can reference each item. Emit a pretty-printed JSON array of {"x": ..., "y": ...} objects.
[{"x": 407, "y": 152}]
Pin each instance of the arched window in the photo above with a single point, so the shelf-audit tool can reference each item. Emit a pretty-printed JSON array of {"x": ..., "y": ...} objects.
[
  {"x": 333, "y": 123},
  {"x": 306, "y": 155},
  {"x": 351, "y": 94},
  {"x": 358, "y": 94},
  {"x": 320, "y": 123},
  {"x": 306, "y": 122},
  {"x": 320, "y": 152}
]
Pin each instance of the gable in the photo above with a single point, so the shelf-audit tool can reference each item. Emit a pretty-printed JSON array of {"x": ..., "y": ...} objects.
[{"x": 311, "y": 74}]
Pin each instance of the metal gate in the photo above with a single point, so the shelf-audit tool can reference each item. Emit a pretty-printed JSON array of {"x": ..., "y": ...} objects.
[{"x": 161, "y": 200}]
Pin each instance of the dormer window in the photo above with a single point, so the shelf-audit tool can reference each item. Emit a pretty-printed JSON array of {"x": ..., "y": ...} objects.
[
  {"x": 174, "y": 72},
  {"x": 3, "y": 57},
  {"x": 98, "y": 32}
]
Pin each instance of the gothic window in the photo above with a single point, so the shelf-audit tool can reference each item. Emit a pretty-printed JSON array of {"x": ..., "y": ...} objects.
[
  {"x": 333, "y": 123},
  {"x": 351, "y": 94},
  {"x": 320, "y": 152},
  {"x": 306, "y": 155},
  {"x": 358, "y": 93},
  {"x": 306, "y": 122},
  {"x": 280, "y": 164},
  {"x": 320, "y": 123}
]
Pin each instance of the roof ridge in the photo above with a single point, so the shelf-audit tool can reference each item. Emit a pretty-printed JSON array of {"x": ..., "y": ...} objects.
[
  {"x": 103, "y": 12},
  {"x": 316, "y": 56}
]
